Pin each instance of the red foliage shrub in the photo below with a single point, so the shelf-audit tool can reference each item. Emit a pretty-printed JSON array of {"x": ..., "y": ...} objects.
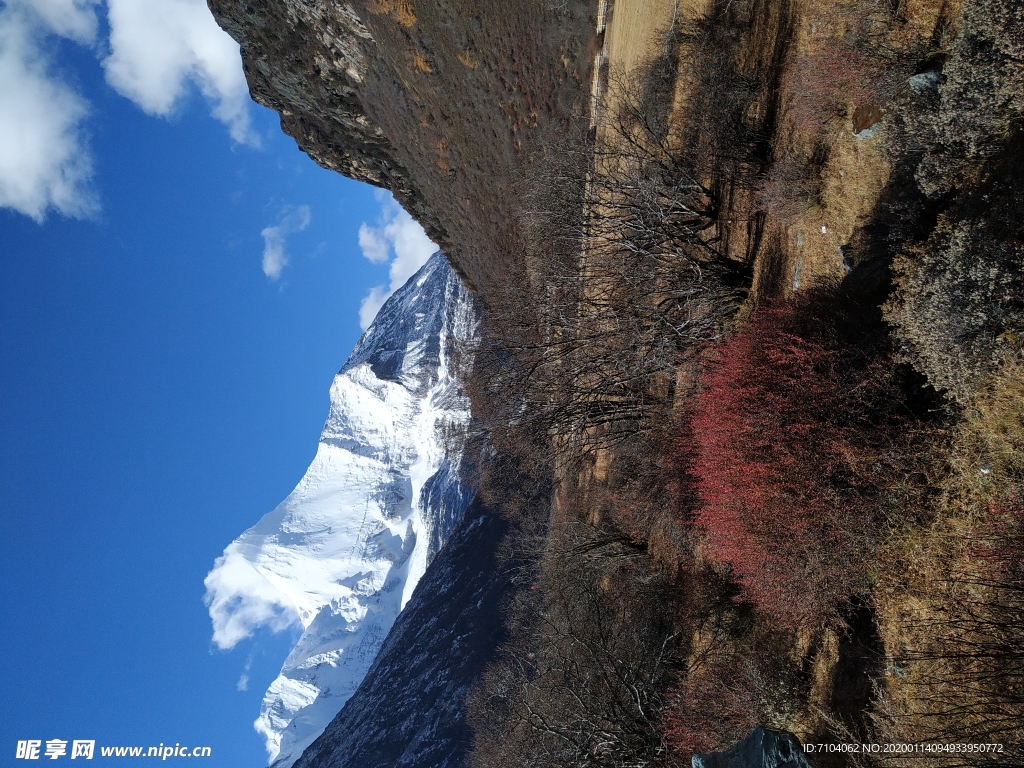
[
  {"x": 712, "y": 708},
  {"x": 845, "y": 60},
  {"x": 998, "y": 544},
  {"x": 798, "y": 432}
]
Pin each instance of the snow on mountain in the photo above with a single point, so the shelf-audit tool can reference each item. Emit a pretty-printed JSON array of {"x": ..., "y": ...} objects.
[
  {"x": 410, "y": 709},
  {"x": 342, "y": 554}
]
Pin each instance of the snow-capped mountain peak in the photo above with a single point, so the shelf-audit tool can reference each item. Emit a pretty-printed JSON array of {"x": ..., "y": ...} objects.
[{"x": 343, "y": 552}]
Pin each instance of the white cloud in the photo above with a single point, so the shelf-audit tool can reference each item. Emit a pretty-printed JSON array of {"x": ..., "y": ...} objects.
[
  {"x": 396, "y": 233},
  {"x": 374, "y": 247},
  {"x": 74, "y": 19},
  {"x": 159, "y": 46},
  {"x": 371, "y": 305},
  {"x": 44, "y": 160},
  {"x": 157, "y": 49},
  {"x": 275, "y": 258},
  {"x": 240, "y": 599},
  {"x": 243, "y": 679}
]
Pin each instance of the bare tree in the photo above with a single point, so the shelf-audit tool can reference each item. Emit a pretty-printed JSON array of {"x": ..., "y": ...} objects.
[{"x": 578, "y": 684}]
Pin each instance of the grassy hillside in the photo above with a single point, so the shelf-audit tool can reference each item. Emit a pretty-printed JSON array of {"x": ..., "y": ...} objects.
[{"x": 769, "y": 366}]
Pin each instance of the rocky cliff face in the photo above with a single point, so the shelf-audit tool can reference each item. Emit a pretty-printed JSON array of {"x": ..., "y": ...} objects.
[
  {"x": 306, "y": 61},
  {"x": 445, "y": 104},
  {"x": 343, "y": 553}
]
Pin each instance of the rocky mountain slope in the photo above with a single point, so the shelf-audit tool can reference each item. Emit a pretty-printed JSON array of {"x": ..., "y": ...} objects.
[
  {"x": 410, "y": 709},
  {"x": 343, "y": 553},
  {"x": 442, "y": 103}
]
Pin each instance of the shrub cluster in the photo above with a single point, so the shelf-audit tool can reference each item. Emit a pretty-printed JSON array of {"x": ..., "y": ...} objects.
[
  {"x": 579, "y": 682},
  {"x": 715, "y": 703},
  {"x": 959, "y": 304},
  {"x": 846, "y": 59},
  {"x": 625, "y": 285},
  {"x": 981, "y": 98},
  {"x": 803, "y": 440}
]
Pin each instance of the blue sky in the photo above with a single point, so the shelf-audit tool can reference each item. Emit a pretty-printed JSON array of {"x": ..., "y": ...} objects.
[{"x": 178, "y": 286}]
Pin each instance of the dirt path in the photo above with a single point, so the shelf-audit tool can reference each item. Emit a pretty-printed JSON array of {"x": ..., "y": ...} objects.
[{"x": 632, "y": 31}]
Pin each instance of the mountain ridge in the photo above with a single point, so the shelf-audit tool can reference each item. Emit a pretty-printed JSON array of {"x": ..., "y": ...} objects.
[{"x": 342, "y": 553}]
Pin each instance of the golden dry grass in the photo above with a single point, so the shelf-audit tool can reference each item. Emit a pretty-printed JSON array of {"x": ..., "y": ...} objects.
[
  {"x": 820, "y": 132},
  {"x": 948, "y": 594},
  {"x": 468, "y": 58},
  {"x": 631, "y": 37},
  {"x": 420, "y": 62},
  {"x": 632, "y": 32}
]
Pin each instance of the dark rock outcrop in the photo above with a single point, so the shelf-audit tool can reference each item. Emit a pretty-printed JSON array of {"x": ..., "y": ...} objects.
[{"x": 763, "y": 748}]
